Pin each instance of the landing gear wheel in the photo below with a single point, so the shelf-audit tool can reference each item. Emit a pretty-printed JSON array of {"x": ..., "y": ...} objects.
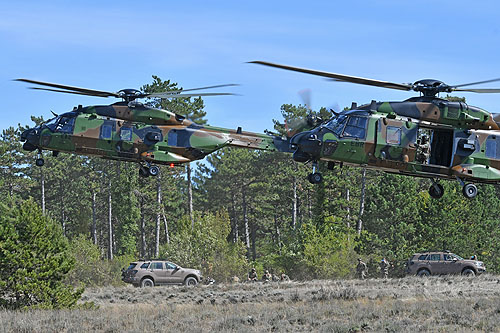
[
  {"x": 436, "y": 191},
  {"x": 315, "y": 178},
  {"x": 143, "y": 171},
  {"x": 39, "y": 162},
  {"x": 154, "y": 170},
  {"x": 469, "y": 191}
]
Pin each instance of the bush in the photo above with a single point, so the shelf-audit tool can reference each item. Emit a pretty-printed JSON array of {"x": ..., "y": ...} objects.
[
  {"x": 90, "y": 269},
  {"x": 206, "y": 247},
  {"x": 34, "y": 261},
  {"x": 329, "y": 253}
]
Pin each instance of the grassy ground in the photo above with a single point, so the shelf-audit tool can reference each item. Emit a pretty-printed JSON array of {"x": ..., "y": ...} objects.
[{"x": 450, "y": 303}]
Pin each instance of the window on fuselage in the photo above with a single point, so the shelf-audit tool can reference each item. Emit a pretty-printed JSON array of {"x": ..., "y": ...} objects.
[
  {"x": 106, "y": 132},
  {"x": 393, "y": 135},
  {"x": 356, "y": 127},
  {"x": 126, "y": 134},
  {"x": 491, "y": 147}
]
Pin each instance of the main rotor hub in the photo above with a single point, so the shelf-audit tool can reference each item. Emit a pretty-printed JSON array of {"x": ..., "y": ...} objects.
[
  {"x": 431, "y": 87},
  {"x": 129, "y": 95}
]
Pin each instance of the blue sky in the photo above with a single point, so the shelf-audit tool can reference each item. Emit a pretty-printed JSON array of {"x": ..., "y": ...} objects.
[{"x": 110, "y": 45}]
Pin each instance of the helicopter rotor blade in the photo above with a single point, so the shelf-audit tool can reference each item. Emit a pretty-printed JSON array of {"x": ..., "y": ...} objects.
[
  {"x": 474, "y": 83},
  {"x": 340, "y": 77},
  {"x": 481, "y": 91},
  {"x": 211, "y": 87},
  {"x": 90, "y": 92},
  {"x": 181, "y": 95},
  {"x": 65, "y": 91}
]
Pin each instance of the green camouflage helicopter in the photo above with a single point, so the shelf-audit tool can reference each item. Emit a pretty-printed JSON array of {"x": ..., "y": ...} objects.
[
  {"x": 131, "y": 131},
  {"x": 422, "y": 136}
]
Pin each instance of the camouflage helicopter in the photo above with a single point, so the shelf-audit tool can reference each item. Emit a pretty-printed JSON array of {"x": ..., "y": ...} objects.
[
  {"x": 131, "y": 131},
  {"x": 423, "y": 136}
]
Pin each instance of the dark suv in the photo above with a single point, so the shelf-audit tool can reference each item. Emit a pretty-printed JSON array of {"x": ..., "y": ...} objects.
[
  {"x": 149, "y": 273},
  {"x": 444, "y": 262}
]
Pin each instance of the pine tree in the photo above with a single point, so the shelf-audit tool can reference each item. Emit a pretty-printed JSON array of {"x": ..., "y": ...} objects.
[{"x": 35, "y": 260}]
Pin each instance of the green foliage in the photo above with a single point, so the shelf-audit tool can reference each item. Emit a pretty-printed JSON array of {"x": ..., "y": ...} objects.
[
  {"x": 205, "y": 247},
  {"x": 329, "y": 253},
  {"x": 34, "y": 260}
]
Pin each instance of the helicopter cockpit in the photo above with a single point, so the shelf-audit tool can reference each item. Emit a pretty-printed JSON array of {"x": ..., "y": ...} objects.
[
  {"x": 63, "y": 123},
  {"x": 348, "y": 125}
]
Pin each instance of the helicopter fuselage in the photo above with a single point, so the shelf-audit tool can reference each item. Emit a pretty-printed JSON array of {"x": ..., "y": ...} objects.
[
  {"x": 134, "y": 132},
  {"x": 410, "y": 138}
]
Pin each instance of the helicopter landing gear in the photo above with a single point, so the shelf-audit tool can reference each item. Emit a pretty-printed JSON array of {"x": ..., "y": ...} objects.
[
  {"x": 149, "y": 170},
  {"x": 154, "y": 170},
  {"x": 143, "y": 171},
  {"x": 39, "y": 160},
  {"x": 436, "y": 190},
  {"x": 469, "y": 191},
  {"x": 315, "y": 177}
]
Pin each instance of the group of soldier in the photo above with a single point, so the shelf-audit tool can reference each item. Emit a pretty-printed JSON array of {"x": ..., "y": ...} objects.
[
  {"x": 266, "y": 277},
  {"x": 362, "y": 269},
  {"x": 361, "y": 272}
]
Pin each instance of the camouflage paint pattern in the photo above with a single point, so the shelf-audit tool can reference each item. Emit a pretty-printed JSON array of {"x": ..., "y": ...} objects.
[{"x": 134, "y": 132}]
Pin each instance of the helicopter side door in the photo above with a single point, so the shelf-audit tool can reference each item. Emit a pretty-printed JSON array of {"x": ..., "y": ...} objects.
[{"x": 395, "y": 140}]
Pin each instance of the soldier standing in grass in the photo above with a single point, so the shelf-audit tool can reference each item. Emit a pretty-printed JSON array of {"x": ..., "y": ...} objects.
[
  {"x": 384, "y": 268},
  {"x": 252, "y": 275},
  {"x": 361, "y": 269}
]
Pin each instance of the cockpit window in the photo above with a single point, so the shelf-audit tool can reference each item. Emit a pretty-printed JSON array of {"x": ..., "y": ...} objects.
[
  {"x": 65, "y": 125},
  {"x": 356, "y": 127},
  {"x": 62, "y": 124},
  {"x": 337, "y": 124}
]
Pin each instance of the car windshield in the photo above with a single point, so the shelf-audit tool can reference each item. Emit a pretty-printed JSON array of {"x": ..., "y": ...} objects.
[
  {"x": 132, "y": 265},
  {"x": 457, "y": 256}
]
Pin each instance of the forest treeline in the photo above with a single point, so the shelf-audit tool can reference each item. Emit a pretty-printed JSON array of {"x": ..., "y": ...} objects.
[{"x": 241, "y": 208}]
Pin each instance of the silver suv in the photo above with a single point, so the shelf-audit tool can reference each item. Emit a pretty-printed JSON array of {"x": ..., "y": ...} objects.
[
  {"x": 149, "y": 273},
  {"x": 443, "y": 262}
]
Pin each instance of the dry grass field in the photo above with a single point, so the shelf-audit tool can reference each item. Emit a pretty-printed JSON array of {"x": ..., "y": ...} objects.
[{"x": 447, "y": 303}]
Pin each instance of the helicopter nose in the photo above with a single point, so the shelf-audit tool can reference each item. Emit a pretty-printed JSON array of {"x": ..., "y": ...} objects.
[
  {"x": 31, "y": 139},
  {"x": 307, "y": 146}
]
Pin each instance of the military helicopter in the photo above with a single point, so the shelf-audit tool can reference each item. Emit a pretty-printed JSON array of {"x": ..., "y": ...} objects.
[
  {"x": 423, "y": 136},
  {"x": 131, "y": 131}
]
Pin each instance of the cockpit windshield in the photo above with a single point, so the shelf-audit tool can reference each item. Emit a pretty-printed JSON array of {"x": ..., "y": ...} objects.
[
  {"x": 63, "y": 123},
  {"x": 353, "y": 126},
  {"x": 337, "y": 124}
]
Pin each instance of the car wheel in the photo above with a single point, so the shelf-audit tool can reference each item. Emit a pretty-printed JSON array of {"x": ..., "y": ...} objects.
[
  {"x": 190, "y": 281},
  {"x": 147, "y": 283},
  {"x": 423, "y": 272},
  {"x": 468, "y": 272}
]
